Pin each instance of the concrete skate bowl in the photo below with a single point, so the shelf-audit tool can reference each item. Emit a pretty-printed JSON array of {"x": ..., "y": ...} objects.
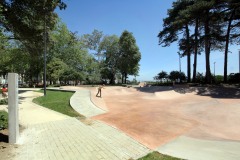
[{"x": 157, "y": 115}]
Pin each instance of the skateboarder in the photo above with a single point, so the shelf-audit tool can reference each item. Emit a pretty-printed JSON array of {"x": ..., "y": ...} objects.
[
  {"x": 4, "y": 91},
  {"x": 100, "y": 90}
]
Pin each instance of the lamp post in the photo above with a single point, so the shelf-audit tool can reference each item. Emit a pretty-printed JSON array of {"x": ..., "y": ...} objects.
[
  {"x": 214, "y": 68},
  {"x": 45, "y": 52},
  {"x": 179, "y": 67},
  {"x": 179, "y": 62},
  {"x": 239, "y": 59}
]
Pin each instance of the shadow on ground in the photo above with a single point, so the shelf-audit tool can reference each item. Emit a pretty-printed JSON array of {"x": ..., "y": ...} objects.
[
  {"x": 21, "y": 98},
  {"x": 4, "y": 136},
  {"x": 153, "y": 89},
  {"x": 214, "y": 92},
  {"x": 219, "y": 92}
]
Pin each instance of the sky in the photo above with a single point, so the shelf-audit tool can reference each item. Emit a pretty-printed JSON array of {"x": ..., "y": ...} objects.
[{"x": 144, "y": 18}]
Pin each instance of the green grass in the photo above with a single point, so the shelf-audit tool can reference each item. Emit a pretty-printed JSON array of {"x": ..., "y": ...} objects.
[
  {"x": 157, "y": 156},
  {"x": 3, "y": 119},
  {"x": 58, "y": 101}
]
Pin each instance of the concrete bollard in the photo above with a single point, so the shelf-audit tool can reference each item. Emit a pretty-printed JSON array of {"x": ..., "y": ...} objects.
[{"x": 13, "y": 117}]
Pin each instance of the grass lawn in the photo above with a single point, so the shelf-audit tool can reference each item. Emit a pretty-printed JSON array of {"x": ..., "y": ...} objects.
[
  {"x": 157, "y": 156},
  {"x": 58, "y": 101}
]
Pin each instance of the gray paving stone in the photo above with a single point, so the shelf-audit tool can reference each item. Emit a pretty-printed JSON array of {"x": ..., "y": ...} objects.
[{"x": 71, "y": 139}]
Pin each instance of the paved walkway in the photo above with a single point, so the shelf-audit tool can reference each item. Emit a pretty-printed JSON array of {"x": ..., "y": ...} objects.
[
  {"x": 63, "y": 137},
  {"x": 199, "y": 149},
  {"x": 82, "y": 103}
]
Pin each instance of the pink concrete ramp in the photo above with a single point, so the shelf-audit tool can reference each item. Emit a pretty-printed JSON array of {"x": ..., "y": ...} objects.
[{"x": 157, "y": 115}]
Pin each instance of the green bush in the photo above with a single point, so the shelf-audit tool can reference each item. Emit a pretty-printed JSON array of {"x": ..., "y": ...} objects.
[
  {"x": 218, "y": 79},
  {"x": 3, "y": 102},
  {"x": 234, "y": 78},
  {"x": 200, "y": 78},
  {"x": 3, "y": 120}
]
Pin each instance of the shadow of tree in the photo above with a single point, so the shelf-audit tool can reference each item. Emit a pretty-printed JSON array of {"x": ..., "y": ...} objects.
[
  {"x": 184, "y": 90},
  {"x": 214, "y": 92},
  {"x": 22, "y": 91},
  {"x": 153, "y": 89},
  {"x": 218, "y": 92},
  {"x": 21, "y": 98},
  {"x": 3, "y": 138}
]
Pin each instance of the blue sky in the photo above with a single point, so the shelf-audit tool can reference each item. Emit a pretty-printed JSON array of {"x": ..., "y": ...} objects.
[{"x": 144, "y": 19}]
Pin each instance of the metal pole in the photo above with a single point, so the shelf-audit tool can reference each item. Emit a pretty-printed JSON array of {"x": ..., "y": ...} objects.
[
  {"x": 180, "y": 63},
  {"x": 239, "y": 59},
  {"x": 45, "y": 52},
  {"x": 179, "y": 67},
  {"x": 214, "y": 69}
]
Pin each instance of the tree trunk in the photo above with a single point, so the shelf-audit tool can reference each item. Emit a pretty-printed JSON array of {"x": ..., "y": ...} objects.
[
  {"x": 195, "y": 51},
  {"x": 122, "y": 78},
  {"x": 112, "y": 78},
  {"x": 125, "y": 78},
  {"x": 188, "y": 56},
  {"x": 207, "y": 51},
  {"x": 226, "y": 47}
]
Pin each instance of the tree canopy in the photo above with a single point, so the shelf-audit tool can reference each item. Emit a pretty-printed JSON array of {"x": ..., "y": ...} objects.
[
  {"x": 129, "y": 55},
  {"x": 215, "y": 25}
]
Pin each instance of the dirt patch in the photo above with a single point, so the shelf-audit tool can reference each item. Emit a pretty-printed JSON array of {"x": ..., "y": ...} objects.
[
  {"x": 6, "y": 149},
  {"x": 85, "y": 120}
]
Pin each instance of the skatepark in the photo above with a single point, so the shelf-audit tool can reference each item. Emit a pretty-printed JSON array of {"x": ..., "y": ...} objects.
[
  {"x": 206, "y": 117},
  {"x": 129, "y": 122}
]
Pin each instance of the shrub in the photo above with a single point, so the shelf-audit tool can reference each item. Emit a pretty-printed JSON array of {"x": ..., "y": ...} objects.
[
  {"x": 174, "y": 75},
  {"x": 3, "y": 102},
  {"x": 3, "y": 120},
  {"x": 234, "y": 78},
  {"x": 218, "y": 79},
  {"x": 200, "y": 78}
]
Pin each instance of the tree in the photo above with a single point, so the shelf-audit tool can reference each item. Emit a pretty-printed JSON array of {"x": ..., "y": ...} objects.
[
  {"x": 14, "y": 58},
  {"x": 193, "y": 17},
  {"x": 110, "y": 48},
  {"x": 177, "y": 75},
  {"x": 161, "y": 75},
  {"x": 70, "y": 74},
  {"x": 230, "y": 10},
  {"x": 175, "y": 24},
  {"x": 55, "y": 69},
  {"x": 186, "y": 13},
  {"x": 92, "y": 42},
  {"x": 25, "y": 21},
  {"x": 129, "y": 55},
  {"x": 212, "y": 30},
  {"x": 70, "y": 49}
]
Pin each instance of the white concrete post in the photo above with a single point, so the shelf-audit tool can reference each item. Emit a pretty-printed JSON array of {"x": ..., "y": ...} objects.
[{"x": 13, "y": 120}]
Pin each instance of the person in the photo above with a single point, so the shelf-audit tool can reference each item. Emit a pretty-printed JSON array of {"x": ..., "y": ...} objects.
[
  {"x": 4, "y": 91},
  {"x": 100, "y": 90}
]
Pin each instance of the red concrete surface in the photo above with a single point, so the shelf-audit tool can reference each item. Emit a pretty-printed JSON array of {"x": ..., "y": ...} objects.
[{"x": 156, "y": 115}]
